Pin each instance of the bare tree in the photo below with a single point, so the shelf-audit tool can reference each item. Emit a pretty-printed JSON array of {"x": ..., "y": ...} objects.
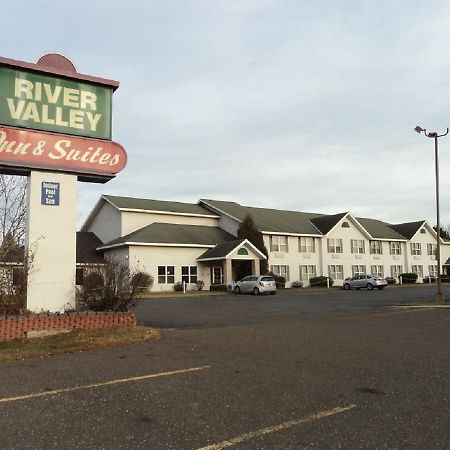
[{"x": 12, "y": 207}]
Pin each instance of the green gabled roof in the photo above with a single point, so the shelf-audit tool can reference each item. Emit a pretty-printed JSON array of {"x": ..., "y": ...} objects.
[
  {"x": 408, "y": 229},
  {"x": 326, "y": 223},
  {"x": 274, "y": 220},
  {"x": 169, "y": 233},
  {"x": 378, "y": 229},
  {"x": 220, "y": 251},
  {"x": 156, "y": 205}
]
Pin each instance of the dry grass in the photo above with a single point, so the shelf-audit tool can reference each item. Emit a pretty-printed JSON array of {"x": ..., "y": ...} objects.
[{"x": 75, "y": 341}]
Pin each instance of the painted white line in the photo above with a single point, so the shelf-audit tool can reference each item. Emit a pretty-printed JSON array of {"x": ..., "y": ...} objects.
[
  {"x": 102, "y": 384},
  {"x": 273, "y": 428}
]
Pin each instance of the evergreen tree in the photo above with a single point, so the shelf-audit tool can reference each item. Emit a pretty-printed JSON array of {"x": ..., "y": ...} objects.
[{"x": 247, "y": 230}]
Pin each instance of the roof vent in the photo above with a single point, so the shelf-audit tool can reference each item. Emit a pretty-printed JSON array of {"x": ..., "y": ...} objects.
[
  {"x": 345, "y": 225},
  {"x": 422, "y": 230}
]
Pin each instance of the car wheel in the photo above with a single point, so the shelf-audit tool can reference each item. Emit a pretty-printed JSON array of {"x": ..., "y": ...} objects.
[
  {"x": 369, "y": 286},
  {"x": 237, "y": 290},
  {"x": 346, "y": 286},
  {"x": 273, "y": 293},
  {"x": 256, "y": 291}
]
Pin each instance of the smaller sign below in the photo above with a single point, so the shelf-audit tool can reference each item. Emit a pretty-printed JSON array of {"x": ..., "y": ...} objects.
[{"x": 50, "y": 193}]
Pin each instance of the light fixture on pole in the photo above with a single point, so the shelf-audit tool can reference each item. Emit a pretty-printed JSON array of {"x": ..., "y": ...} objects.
[{"x": 435, "y": 136}]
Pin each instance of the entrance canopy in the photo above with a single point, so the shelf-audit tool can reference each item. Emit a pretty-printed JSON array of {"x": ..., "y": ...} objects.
[{"x": 233, "y": 257}]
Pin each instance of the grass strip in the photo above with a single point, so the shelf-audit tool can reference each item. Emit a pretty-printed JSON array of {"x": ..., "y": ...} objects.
[{"x": 75, "y": 341}]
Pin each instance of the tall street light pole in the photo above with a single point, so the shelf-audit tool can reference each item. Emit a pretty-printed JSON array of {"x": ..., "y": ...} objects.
[{"x": 435, "y": 136}]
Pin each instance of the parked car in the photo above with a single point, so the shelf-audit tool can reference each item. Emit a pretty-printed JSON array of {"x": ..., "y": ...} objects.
[
  {"x": 365, "y": 281},
  {"x": 256, "y": 284}
]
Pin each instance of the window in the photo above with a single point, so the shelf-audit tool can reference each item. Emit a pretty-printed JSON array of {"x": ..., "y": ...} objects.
[
  {"x": 376, "y": 248},
  {"x": 336, "y": 272},
  {"x": 334, "y": 245},
  {"x": 166, "y": 274},
  {"x": 396, "y": 271},
  {"x": 216, "y": 275},
  {"x": 281, "y": 271},
  {"x": 431, "y": 249},
  {"x": 422, "y": 230},
  {"x": 307, "y": 272},
  {"x": 416, "y": 248},
  {"x": 306, "y": 245},
  {"x": 79, "y": 275},
  {"x": 377, "y": 270},
  {"x": 278, "y": 244},
  {"x": 358, "y": 270},
  {"x": 242, "y": 251},
  {"x": 189, "y": 274},
  {"x": 418, "y": 270},
  {"x": 395, "y": 248},
  {"x": 433, "y": 271},
  {"x": 18, "y": 276},
  {"x": 357, "y": 246},
  {"x": 345, "y": 225}
]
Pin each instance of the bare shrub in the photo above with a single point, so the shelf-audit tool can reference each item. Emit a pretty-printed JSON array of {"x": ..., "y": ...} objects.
[{"x": 115, "y": 290}]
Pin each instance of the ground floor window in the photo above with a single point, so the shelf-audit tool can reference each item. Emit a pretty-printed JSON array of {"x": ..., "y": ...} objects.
[
  {"x": 358, "y": 270},
  {"x": 418, "y": 270},
  {"x": 433, "y": 271},
  {"x": 396, "y": 271},
  {"x": 189, "y": 274},
  {"x": 336, "y": 272},
  {"x": 216, "y": 275},
  {"x": 281, "y": 271},
  {"x": 79, "y": 277},
  {"x": 307, "y": 272},
  {"x": 166, "y": 274},
  {"x": 377, "y": 270}
]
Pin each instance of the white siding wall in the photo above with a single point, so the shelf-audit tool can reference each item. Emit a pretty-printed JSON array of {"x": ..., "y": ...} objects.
[
  {"x": 106, "y": 224},
  {"x": 149, "y": 258},
  {"x": 293, "y": 258},
  {"x": 132, "y": 221}
]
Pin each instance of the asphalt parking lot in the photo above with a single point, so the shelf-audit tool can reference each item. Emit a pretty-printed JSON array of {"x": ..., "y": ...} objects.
[{"x": 323, "y": 370}]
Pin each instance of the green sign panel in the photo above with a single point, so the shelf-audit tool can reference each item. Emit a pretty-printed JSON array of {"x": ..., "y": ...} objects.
[{"x": 47, "y": 103}]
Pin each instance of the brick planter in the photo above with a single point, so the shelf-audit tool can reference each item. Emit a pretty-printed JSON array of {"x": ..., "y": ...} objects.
[{"x": 17, "y": 327}]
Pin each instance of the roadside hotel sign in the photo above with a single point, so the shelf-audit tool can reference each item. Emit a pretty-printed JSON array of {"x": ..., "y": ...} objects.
[
  {"x": 49, "y": 103},
  {"x": 55, "y": 128},
  {"x": 39, "y": 100},
  {"x": 40, "y": 150}
]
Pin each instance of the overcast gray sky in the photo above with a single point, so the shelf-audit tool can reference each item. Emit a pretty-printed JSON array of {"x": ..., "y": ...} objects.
[{"x": 302, "y": 105}]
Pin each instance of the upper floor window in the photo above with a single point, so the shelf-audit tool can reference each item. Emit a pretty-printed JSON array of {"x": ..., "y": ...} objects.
[
  {"x": 431, "y": 249},
  {"x": 422, "y": 230},
  {"x": 334, "y": 245},
  {"x": 357, "y": 245},
  {"x": 345, "y": 225},
  {"x": 416, "y": 248},
  {"x": 306, "y": 245},
  {"x": 279, "y": 244},
  {"x": 376, "y": 248},
  {"x": 395, "y": 248}
]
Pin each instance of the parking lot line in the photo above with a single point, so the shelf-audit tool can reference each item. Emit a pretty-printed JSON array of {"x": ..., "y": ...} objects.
[
  {"x": 101, "y": 384},
  {"x": 273, "y": 428}
]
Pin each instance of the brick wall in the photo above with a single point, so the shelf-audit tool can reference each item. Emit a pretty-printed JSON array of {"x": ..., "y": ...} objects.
[{"x": 17, "y": 327}]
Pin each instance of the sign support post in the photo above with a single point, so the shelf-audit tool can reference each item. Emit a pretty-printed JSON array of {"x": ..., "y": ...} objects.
[{"x": 51, "y": 242}]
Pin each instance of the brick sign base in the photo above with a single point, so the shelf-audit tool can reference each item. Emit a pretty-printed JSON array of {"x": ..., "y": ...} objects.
[{"x": 17, "y": 327}]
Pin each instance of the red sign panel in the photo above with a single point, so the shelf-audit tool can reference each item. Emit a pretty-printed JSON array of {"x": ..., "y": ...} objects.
[{"x": 40, "y": 150}]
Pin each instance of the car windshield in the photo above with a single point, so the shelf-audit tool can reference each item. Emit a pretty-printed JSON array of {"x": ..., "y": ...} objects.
[{"x": 267, "y": 279}]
